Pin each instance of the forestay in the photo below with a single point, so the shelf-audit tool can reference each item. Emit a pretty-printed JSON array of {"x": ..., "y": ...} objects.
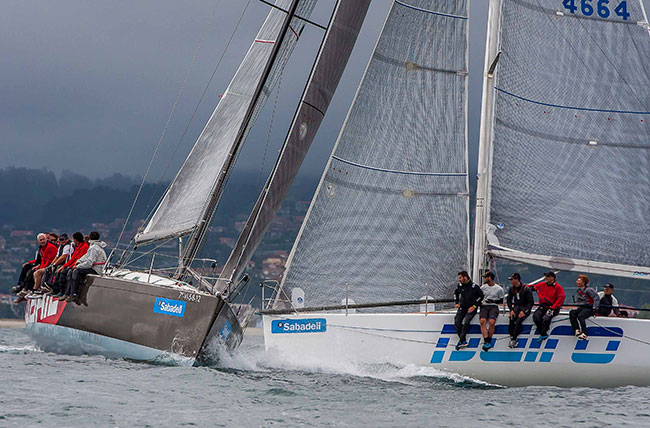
[
  {"x": 186, "y": 201},
  {"x": 570, "y": 174},
  {"x": 390, "y": 214},
  {"x": 334, "y": 53}
]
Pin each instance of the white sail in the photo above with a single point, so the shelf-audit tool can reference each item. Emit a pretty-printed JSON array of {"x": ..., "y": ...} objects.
[
  {"x": 390, "y": 216},
  {"x": 570, "y": 151},
  {"x": 188, "y": 197}
]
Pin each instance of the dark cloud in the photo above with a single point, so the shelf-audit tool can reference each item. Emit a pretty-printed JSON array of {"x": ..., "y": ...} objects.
[{"x": 88, "y": 85}]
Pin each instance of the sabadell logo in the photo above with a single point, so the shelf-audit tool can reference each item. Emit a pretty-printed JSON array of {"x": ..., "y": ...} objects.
[{"x": 176, "y": 309}]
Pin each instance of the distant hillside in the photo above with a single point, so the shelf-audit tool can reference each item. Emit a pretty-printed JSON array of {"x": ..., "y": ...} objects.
[{"x": 37, "y": 199}]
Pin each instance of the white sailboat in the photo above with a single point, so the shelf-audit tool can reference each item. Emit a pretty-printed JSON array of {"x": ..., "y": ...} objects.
[{"x": 563, "y": 183}]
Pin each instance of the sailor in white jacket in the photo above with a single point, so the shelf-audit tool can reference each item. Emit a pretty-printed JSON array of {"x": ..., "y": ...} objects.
[{"x": 91, "y": 262}]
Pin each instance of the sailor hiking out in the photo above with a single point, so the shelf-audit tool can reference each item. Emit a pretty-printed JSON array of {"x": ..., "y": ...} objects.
[
  {"x": 492, "y": 297},
  {"x": 588, "y": 302},
  {"x": 608, "y": 302},
  {"x": 551, "y": 298},
  {"x": 468, "y": 297},
  {"x": 520, "y": 301}
]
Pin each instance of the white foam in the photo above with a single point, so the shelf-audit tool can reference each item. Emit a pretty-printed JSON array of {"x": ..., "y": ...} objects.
[
  {"x": 253, "y": 357},
  {"x": 23, "y": 349}
]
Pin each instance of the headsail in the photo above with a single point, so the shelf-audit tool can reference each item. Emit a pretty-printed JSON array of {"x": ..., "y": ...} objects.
[
  {"x": 186, "y": 201},
  {"x": 336, "y": 48},
  {"x": 570, "y": 173},
  {"x": 391, "y": 211}
]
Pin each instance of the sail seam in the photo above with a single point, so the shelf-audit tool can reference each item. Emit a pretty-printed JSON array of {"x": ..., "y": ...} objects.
[
  {"x": 447, "y": 15},
  {"x": 314, "y": 107},
  {"x": 567, "y": 140},
  {"x": 416, "y": 67},
  {"x": 395, "y": 171},
  {"x": 571, "y": 107}
]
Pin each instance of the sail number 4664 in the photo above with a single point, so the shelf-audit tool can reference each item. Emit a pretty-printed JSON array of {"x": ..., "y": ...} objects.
[{"x": 601, "y": 7}]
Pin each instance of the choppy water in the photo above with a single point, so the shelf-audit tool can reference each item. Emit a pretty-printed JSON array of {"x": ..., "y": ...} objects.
[{"x": 254, "y": 388}]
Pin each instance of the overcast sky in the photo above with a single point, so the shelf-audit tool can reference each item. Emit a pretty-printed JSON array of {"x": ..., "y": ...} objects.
[{"x": 88, "y": 85}]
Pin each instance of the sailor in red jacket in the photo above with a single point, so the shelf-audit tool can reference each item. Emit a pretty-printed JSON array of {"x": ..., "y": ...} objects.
[
  {"x": 45, "y": 256},
  {"x": 64, "y": 273},
  {"x": 551, "y": 299}
]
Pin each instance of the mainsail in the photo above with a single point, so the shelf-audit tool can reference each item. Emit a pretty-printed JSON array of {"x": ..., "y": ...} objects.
[
  {"x": 389, "y": 219},
  {"x": 335, "y": 50},
  {"x": 569, "y": 168},
  {"x": 187, "y": 200}
]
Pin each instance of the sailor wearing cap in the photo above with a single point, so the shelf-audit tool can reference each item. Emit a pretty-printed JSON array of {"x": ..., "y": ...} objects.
[
  {"x": 520, "y": 302},
  {"x": 551, "y": 299},
  {"x": 608, "y": 302}
]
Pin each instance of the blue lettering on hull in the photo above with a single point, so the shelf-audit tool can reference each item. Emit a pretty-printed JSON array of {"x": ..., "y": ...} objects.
[
  {"x": 308, "y": 325},
  {"x": 530, "y": 354},
  {"x": 175, "y": 308}
]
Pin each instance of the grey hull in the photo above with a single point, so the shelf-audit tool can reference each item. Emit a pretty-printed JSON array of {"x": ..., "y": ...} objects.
[{"x": 136, "y": 320}]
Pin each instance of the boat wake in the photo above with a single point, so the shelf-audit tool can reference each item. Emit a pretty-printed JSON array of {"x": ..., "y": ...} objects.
[
  {"x": 254, "y": 359},
  {"x": 26, "y": 349}
]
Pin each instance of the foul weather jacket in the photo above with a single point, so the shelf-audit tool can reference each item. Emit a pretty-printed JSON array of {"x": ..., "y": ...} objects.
[
  {"x": 522, "y": 298},
  {"x": 95, "y": 257},
  {"x": 550, "y": 295},
  {"x": 468, "y": 294},
  {"x": 586, "y": 297},
  {"x": 47, "y": 254},
  {"x": 79, "y": 250}
]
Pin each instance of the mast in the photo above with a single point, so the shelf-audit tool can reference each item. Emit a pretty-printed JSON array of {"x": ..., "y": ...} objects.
[
  {"x": 485, "y": 138},
  {"x": 329, "y": 65},
  {"x": 198, "y": 234}
]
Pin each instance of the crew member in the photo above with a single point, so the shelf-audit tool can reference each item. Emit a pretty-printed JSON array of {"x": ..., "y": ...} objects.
[
  {"x": 588, "y": 301},
  {"x": 46, "y": 253},
  {"x": 608, "y": 302},
  {"x": 64, "y": 273},
  {"x": 44, "y": 276},
  {"x": 551, "y": 299},
  {"x": 468, "y": 298},
  {"x": 520, "y": 302},
  {"x": 492, "y": 297},
  {"x": 91, "y": 262}
]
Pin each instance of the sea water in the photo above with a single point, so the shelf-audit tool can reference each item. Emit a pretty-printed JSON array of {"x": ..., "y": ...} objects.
[{"x": 251, "y": 387}]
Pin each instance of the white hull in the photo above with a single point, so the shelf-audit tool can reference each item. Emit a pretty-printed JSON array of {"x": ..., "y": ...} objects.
[{"x": 617, "y": 352}]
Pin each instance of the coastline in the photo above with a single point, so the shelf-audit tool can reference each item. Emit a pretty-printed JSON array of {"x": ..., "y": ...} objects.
[
  {"x": 19, "y": 323},
  {"x": 12, "y": 323}
]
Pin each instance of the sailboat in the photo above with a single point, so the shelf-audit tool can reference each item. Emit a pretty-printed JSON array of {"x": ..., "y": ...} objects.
[
  {"x": 185, "y": 316},
  {"x": 563, "y": 183}
]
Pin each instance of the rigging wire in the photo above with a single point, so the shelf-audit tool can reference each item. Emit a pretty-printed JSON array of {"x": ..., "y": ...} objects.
[
  {"x": 208, "y": 25},
  {"x": 196, "y": 108},
  {"x": 268, "y": 135}
]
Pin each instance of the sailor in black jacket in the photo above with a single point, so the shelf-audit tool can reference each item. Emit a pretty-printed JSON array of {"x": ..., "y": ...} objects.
[
  {"x": 468, "y": 298},
  {"x": 520, "y": 302}
]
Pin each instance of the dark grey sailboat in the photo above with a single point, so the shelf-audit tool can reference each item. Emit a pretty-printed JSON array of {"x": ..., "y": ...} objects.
[{"x": 143, "y": 316}]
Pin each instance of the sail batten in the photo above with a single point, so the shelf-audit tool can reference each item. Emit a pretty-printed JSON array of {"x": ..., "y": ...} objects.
[{"x": 389, "y": 219}]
